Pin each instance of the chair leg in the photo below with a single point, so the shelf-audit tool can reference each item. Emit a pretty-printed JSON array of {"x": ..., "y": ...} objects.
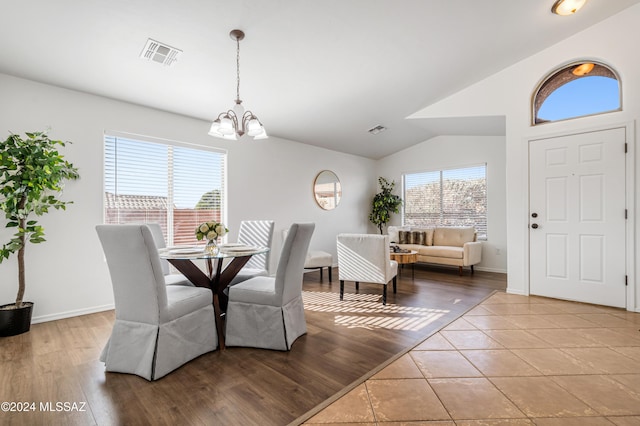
[
  {"x": 472, "y": 271},
  {"x": 320, "y": 274},
  {"x": 341, "y": 289},
  {"x": 394, "y": 284},
  {"x": 357, "y": 285},
  {"x": 384, "y": 294},
  {"x": 329, "y": 268},
  {"x": 460, "y": 270}
]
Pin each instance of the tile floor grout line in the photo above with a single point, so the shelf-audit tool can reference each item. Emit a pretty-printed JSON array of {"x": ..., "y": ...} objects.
[
  {"x": 362, "y": 379},
  {"x": 593, "y": 369},
  {"x": 366, "y": 389}
]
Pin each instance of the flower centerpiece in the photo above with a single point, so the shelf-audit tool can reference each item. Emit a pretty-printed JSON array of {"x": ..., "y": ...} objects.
[{"x": 211, "y": 231}]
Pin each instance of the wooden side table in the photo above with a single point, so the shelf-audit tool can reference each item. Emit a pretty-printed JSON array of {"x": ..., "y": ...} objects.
[{"x": 404, "y": 259}]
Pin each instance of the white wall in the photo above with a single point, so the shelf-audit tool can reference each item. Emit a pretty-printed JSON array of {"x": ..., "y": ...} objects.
[
  {"x": 269, "y": 179},
  {"x": 445, "y": 152},
  {"x": 509, "y": 92}
]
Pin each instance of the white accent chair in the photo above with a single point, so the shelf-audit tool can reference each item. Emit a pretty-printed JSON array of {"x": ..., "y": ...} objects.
[
  {"x": 255, "y": 233},
  {"x": 169, "y": 278},
  {"x": 268, "y": 312},
  {"x": 365, "y": 258},
  {"x": 158, "y": 328},
  {"x": 316, "y": 259}
]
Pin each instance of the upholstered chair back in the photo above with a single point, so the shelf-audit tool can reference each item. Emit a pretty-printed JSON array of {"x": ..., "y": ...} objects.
[
  {"x": 257, "y": 233},
  {"x": 158, "y": 238},
  {"x": 364, "y": 257},
  {"x": 290, "y": 270},
  {"x": 136, "y": 272}
]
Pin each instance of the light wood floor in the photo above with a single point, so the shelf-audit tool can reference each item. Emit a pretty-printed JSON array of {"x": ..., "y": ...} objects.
[{"x": 57, "y": 362}]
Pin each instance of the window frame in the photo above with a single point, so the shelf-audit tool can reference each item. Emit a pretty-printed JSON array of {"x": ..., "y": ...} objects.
[
  {"x": 170, "y": 143},
  {"x": 480, "y": 237},
  {"x": 554, "y": 74}
]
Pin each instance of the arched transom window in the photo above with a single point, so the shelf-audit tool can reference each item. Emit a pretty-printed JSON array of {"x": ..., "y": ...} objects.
[{"x": 577, "y": 90}]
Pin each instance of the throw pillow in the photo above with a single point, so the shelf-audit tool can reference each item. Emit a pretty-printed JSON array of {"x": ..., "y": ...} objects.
[
  {"x": 419, "y": 237},
  {"x": 404, "y": 237}
]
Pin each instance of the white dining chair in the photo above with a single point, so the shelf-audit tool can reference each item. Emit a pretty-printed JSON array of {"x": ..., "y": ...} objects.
[
  {"x": 268, "y": 312},
  {"x": 257, "y": 233},
  {"x": 170, "y": 278},
  {"x": 365, "y": 258},
  {"x": 157, "y": 328}
]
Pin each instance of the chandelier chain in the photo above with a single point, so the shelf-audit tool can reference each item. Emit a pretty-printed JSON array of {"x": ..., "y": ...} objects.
[
  {"x": 238, "y": 70},
  {"x": 236, "y": 122}
]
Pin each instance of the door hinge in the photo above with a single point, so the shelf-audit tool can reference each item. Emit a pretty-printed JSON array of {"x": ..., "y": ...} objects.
[
  {"x": 626, "y": 145},
  {"x": 626, "y": 213},
  {"x": 626, "y": 280}
]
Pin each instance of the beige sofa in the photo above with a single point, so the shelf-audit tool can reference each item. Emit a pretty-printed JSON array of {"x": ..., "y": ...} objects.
[{"x": 443, "y": 246}]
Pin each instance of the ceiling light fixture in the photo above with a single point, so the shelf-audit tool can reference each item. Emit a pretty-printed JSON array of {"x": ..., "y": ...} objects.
[
  {"x": 583, "y": 69},
  {"x": 567, "y": 7},
  {"x": 235, "y": 122}
]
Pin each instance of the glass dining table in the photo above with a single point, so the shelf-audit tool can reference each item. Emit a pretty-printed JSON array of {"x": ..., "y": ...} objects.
[{"x": 216, "y": 278}]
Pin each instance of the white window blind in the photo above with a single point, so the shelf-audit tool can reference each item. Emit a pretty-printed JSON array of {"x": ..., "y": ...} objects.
[
  {"x": 453, "y": 197},
  {"x": 176, "y": 186}
]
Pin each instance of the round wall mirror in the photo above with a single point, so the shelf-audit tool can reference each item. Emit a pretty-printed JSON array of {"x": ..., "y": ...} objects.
[{"x": 327, "y": 190}]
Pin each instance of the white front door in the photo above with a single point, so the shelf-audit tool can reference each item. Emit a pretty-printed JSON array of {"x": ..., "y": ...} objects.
[{"x": 577, "y": 217}]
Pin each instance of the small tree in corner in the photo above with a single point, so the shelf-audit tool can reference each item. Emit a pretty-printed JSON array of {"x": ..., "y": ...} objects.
[
  {"x": 32, "y": 172},
  {"x": 384, "y": 203}
]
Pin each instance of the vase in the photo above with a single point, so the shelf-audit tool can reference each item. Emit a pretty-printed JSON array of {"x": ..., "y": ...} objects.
[{"x": 212, "y": 248}]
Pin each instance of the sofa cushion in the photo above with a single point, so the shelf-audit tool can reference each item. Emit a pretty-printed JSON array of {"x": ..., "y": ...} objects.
[
  {"x": 414, "y": 247},
  {"x": 455, "y": 237},
  {"x": 444, "y": 251}
]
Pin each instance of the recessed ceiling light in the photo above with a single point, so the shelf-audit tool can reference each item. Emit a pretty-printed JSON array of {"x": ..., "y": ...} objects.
[
  {"x": 160, "y": 52},
  {"x": 567, "y": 7},
  {"x": 377, "y": 129}
]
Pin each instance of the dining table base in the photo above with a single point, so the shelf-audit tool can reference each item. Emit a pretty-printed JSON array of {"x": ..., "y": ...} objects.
[{"x": 216, "y": 279}]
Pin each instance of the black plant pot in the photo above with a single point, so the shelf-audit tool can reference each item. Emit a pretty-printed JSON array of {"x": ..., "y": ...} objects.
[{"x": 14, "y": 321}]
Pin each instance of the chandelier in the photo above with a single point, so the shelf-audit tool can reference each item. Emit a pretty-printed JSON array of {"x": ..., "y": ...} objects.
[
  {"x": 567, "y": 7},
  {"x": 236, "y": 122}
]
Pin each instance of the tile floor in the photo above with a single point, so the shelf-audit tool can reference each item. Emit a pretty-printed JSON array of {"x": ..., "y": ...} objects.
[{"x": 512, "y": 360}]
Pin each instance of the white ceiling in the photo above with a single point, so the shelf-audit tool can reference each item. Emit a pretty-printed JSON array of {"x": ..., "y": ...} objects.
[{"x": 317, "y": 72}]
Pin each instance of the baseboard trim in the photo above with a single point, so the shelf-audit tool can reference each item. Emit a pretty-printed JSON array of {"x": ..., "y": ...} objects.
[
  {"x": 70, "y": 314},
  {"x": 485, "y": 269}
]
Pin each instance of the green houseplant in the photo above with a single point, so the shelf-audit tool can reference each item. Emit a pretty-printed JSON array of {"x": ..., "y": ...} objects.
[
  {"x": 384, "y": 203},
  {"x": 32, "y": 172}
]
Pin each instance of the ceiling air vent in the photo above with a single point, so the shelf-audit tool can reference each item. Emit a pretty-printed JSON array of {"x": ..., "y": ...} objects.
[
  {"x": 160, "y": 53},
  {"x": 377, "y": 129}
]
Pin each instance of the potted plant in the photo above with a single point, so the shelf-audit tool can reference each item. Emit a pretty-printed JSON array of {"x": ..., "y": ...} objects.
[
  {"x": 384, "y": 203},
  {"x": 32, "y": 172}
]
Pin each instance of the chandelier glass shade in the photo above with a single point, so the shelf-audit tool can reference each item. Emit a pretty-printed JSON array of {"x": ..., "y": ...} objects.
[
  {"x": 236, "y": 122},
  {"x": 567, "y": 7}
]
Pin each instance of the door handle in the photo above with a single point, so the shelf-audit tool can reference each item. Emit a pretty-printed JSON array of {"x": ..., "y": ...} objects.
[{"x": 534, "y": 225}]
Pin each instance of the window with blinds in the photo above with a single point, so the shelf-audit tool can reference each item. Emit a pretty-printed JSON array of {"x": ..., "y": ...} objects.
[
  {"x": 176, "y": 186},
  {"x": 453, "y": 197}
]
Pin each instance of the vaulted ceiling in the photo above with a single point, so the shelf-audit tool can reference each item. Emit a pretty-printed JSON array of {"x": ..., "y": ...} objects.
[{"x": 317, "y": 72}]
